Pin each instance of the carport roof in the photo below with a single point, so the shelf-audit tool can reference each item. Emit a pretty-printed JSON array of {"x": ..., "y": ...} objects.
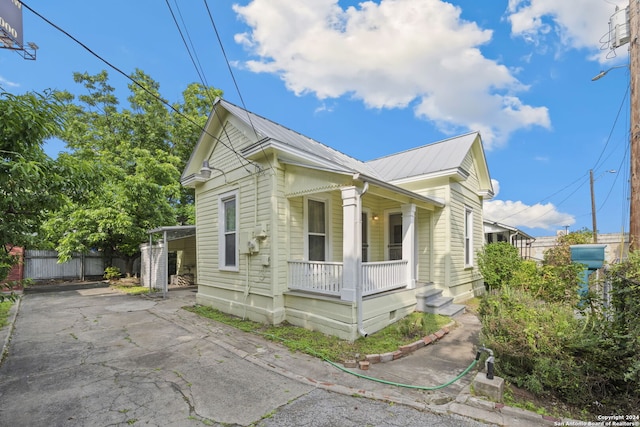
[{"x": 175, "y": 232}]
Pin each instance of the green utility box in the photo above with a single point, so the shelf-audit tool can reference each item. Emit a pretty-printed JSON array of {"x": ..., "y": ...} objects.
[{"x": 592, "y": 256}]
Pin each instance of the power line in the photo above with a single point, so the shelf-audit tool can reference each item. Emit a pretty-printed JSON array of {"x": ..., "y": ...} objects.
[
  {"x": 622, "y": 104},
  {"x": 200, "y": 71},
  {"x": 163, "y": 101},
  {"x": 235, "y": 82},
  {"x": 547, "y": 198}
]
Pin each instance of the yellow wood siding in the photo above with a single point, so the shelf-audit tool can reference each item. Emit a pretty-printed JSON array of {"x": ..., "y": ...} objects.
[
  {"x": 464, "y": 195},
  {"x": 254, "y": 207},
  {"x": 425, "y": 247}
]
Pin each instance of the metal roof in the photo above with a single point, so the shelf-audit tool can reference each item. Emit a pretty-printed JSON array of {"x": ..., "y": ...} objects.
[
  {"x": 175, "y": 232},
  {"x": 440, "y": 156},
  {"x": 269, "y": 129}
]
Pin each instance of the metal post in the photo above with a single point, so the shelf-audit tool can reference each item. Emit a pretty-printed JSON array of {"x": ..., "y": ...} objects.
[
  {"x": 593, "y": 208},
  {"x": 634, "y": 53}
]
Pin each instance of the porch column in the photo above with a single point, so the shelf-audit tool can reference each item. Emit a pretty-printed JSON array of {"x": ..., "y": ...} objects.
[
  {"x": 351, "y": 236},
  {"x": 409, "y": 241}
]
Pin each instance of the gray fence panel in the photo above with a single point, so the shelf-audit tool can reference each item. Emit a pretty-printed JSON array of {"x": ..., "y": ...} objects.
[{"x": 43, "y": 265}]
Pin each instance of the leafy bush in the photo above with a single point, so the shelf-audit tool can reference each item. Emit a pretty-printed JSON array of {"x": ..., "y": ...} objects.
[
  {"x": 542, "y": 342},
  {"x": 624, "y": 333},
  {"x": 497, "y": 263},
  {"x": 111, "y": 273},
  {"x": 537, "y": 344}
]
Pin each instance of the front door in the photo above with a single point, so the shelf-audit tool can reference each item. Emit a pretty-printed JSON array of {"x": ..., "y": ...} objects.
[
  {"x": 365, "y": 237},
  {"x": 395, "y": 236}
]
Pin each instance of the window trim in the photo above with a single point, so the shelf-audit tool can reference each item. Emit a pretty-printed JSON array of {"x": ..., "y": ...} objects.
[
  {"x": 222, "y": 199},
  {"x": 468, "y": 237}
]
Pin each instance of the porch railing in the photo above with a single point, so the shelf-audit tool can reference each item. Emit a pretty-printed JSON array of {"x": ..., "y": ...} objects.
[
  {"x": 316, "y": 276},
  {"x": 383, "y": 276},
  {"x": 326, "y": 277}
]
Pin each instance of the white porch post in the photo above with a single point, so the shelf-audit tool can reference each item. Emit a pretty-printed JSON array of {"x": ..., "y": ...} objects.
[
  {"x": 409, "y": 241},
  {"x": 352, "y": 230}
]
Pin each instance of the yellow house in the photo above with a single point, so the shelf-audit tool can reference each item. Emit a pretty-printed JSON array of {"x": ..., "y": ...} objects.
[{"x": 289, "y": 229}]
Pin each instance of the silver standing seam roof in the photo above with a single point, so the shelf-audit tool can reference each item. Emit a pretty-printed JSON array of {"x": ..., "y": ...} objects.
[
  {"x": 445, "y": 155},
  {"x": 269, "y": 129}
]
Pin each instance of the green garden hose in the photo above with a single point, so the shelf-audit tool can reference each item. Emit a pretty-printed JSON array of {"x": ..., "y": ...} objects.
[{"x": 418, "y": 387}]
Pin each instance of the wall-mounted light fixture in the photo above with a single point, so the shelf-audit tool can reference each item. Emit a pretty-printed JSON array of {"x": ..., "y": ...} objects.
[{"x": 375, "y": 217}]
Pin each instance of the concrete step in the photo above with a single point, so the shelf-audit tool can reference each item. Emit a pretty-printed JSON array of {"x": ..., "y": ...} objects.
[
  {"x": 429, "y": 293},
  {"x": 452, "y": 310},
  {"x": 430, "y": 300}
]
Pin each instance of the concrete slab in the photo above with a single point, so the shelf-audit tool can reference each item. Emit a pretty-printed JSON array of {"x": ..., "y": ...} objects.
[{"x": 97, "y": 357}]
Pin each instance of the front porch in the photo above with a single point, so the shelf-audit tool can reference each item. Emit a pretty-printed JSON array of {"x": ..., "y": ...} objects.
[{"x": 326, "y": 278}]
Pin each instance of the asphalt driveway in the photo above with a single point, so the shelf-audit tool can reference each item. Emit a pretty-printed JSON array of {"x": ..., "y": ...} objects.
[{"x": 94, "y": 357}]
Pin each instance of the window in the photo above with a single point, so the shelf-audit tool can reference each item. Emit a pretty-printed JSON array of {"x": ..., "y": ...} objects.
[
  {"x": 395, "y": 236},
  {"x": 228, "y": 226},
  {"x": 468, "y": 237},
  {"x": 316, "y": 230}
]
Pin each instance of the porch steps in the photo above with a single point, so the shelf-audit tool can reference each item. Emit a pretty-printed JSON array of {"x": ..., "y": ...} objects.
[{"x": 430, "y": 300}]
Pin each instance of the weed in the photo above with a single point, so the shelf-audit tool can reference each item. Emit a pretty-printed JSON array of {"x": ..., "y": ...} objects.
[
  {"x": 133, "y": 290},
  {"x": 326, "y": 346},
  {"x": 4, "y": 312}
]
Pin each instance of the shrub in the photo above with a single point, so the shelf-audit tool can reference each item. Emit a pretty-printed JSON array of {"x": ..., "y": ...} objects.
[
  {"x": 588, "y": 358},
  {"x": 497, "y": 263},
  {"x": 530, "y": 338},
  {"x": 111, "y": 273},
  {"x": 624, "y": 332}
]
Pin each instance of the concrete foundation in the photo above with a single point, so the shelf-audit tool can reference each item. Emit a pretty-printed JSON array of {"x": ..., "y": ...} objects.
[{"x": 493, "y": 389}]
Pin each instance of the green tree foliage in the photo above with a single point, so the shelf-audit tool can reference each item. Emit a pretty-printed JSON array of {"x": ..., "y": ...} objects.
[
  {"x": 139, "y": 153},
  {"x": 497, "y": 263},
  {"x": 31, "y": 184}
]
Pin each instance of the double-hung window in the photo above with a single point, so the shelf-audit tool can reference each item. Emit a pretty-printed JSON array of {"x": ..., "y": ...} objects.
[
  {"x": 316, "y": 230},
  {"x": 468, "y": 237},
  {"x": 228, "y": 231}
]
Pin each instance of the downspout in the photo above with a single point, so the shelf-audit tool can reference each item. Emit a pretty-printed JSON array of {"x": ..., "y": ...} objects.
[
  {"x": 150, "y": 253},
  {"x": 358, "y": 224},
  {"x": 166, "y": 264}
]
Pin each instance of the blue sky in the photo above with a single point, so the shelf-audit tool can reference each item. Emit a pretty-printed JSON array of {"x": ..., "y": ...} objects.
[{"x": 373, "y": 78}]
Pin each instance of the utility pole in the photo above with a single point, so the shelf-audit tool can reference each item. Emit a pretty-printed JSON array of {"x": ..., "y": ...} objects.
[
  {"x": 634, "y": 71},
  {"x": 593, "y": 208}
]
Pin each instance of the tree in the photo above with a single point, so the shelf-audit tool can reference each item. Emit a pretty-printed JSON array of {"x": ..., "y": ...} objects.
[
  {"x": 498, "y": 262},
  {"x": 139, "y": 153},
  {"x": 31, "y": 184}
]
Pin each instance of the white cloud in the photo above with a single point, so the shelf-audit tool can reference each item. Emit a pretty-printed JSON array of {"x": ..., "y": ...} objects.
[
  {"x": 390, "y": 54},
  {"x": 5, "y": 82},
  {"x": 578, "y": 23},
  {"x": 518, "y": 214}
]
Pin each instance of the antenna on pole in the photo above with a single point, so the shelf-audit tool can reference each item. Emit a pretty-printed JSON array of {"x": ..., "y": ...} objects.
[{"x": 11, "y": 29}]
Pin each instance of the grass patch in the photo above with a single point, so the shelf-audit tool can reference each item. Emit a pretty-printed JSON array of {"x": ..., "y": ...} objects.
[
  {"x": 132, "y": 289},
  {"x": 4, "y": 312},
  {"x": 405, "y": 331}
]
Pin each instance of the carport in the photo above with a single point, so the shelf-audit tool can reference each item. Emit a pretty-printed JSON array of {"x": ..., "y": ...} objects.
[{"x": 154, "y": 268}]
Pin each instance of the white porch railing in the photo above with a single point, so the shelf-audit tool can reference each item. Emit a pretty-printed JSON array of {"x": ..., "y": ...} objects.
[
  {"x": 316, "y": 276},
  {"x": 326, "y": 277},
  {"x": 383, "y": 276}
]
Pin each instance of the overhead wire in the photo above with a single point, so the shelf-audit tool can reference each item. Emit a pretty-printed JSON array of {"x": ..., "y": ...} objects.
[
  {"x": 546, "y": 198},
  {"x": 137, "y": 83},
  {"x": 235, "y": 82},
  {"x": 199, "y": 71},
  {"x": 582, "y": 177}
]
